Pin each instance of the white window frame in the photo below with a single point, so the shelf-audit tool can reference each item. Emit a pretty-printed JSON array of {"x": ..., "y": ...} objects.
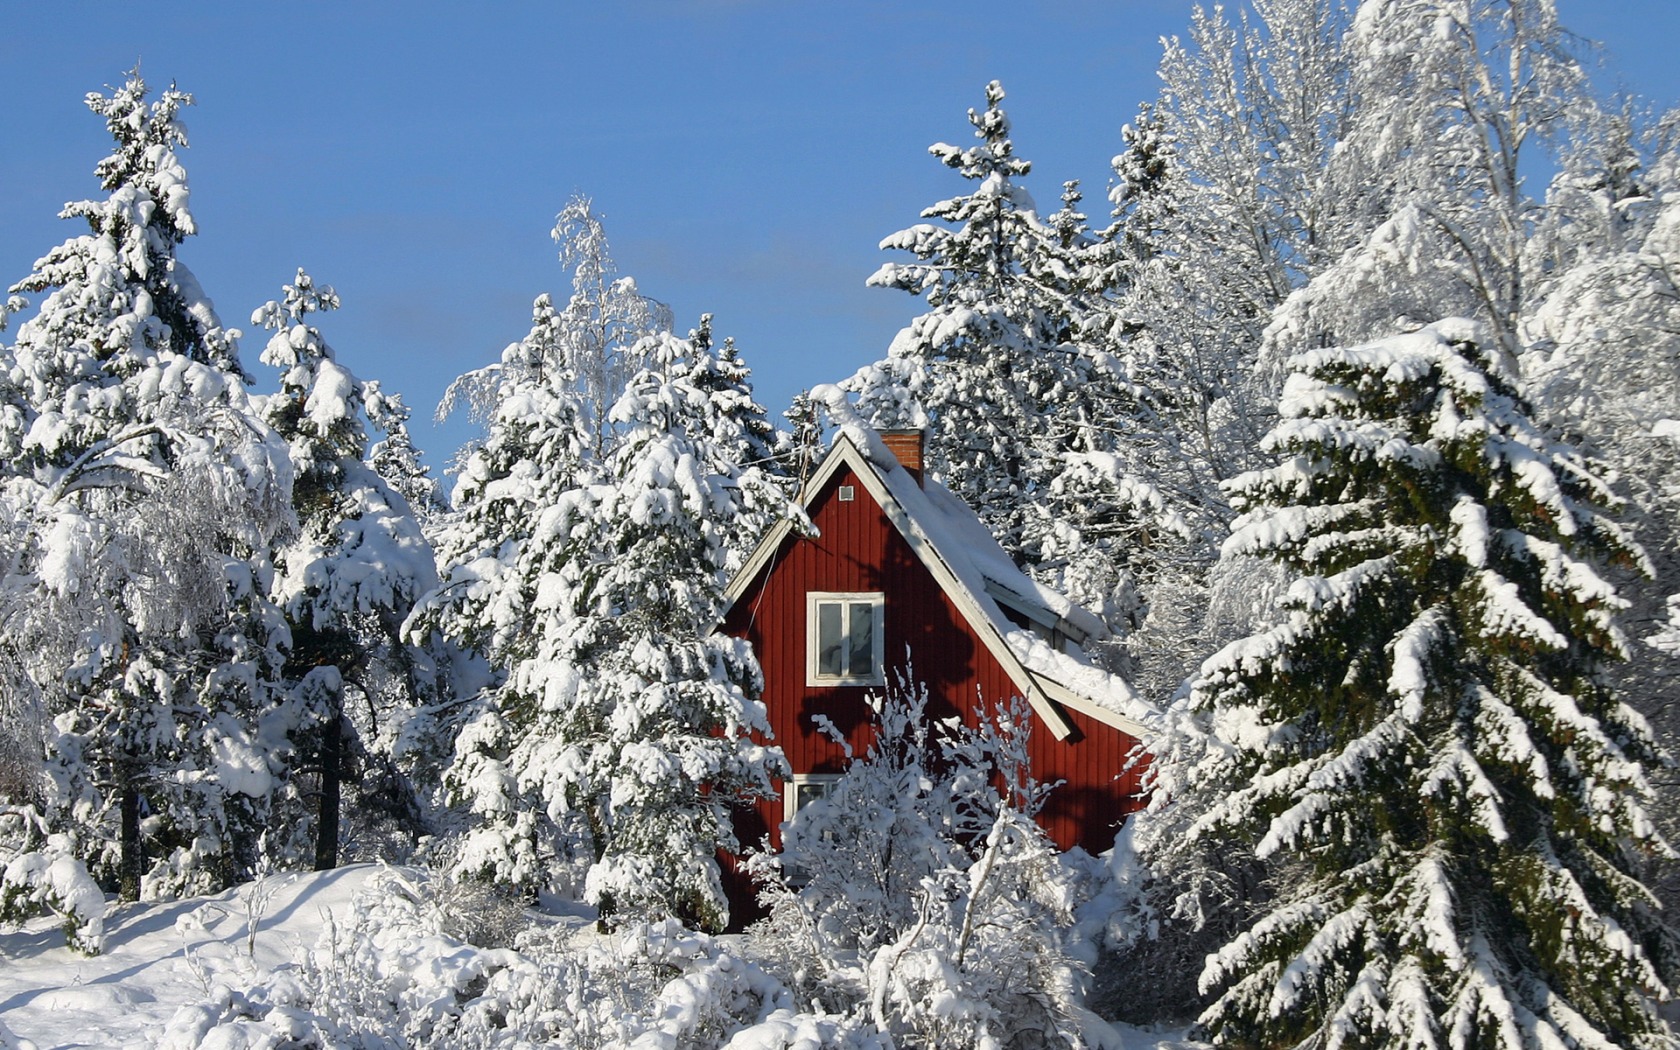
[
  {"x": 790, "y": 790},
  {"x": 813, "y": 641}
]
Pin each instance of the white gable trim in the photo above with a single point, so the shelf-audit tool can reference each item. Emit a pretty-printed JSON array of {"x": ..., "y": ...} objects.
[
  {"x": 1061, "y": 694},
  {"x": 772, "y": 541},
  {"x": 1044, "y": 694},
  {"x": 1007, "y": 598}
]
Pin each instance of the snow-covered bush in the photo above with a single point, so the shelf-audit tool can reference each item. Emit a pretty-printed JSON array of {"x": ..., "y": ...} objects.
[
  {"x": 921, "y": 894},
  {"x": 383, "y": 976},
  {"x": 49, "y": 876},
  {"x": 389, "y": 975},
  {"x": 484, "y": 914}
]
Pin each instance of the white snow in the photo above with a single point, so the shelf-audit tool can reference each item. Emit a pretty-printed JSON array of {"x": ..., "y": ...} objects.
[
  {"x": 158, "y": 958},
  {"x": 362, "y": 956}
]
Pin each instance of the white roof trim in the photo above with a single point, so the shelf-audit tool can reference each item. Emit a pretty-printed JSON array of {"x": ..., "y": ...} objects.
[
  {"x": 772, "y": 541},
  {"x": 1003, "y": 595},
  {"x": 1043, "y": 693},
  {"x": 1061, "y": 694}
]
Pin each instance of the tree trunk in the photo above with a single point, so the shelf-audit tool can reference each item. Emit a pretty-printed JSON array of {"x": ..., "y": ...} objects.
[
  {"x": 332, "y": 771},
  {"x": 130, "y": 862}
]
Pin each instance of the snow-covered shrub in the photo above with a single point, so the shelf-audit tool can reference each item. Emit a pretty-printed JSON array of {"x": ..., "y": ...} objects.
[
  {"x": 385, "y": 975},
  {"x": 48, "y": 876},
  {"x": 486, "y": 915},
  {"x": 860, "y": 855},
  {"x": 389, "y": 975},
  {"x": 922, "y": 895}
]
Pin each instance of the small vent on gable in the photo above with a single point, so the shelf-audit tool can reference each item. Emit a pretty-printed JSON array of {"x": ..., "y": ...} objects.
[{"x": 847, "y": 493}]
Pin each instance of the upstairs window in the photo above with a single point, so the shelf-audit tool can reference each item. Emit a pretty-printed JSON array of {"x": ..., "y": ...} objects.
[{"x": 846, "y": 641}]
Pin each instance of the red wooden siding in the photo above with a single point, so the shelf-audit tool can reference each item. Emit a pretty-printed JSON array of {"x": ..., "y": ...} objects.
[{"x": 859, "y": 550}]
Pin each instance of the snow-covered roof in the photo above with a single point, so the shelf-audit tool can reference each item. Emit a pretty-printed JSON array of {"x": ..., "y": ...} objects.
[
  {"x": 981, "y": 580},
  {"x": 953, "y": 527}
]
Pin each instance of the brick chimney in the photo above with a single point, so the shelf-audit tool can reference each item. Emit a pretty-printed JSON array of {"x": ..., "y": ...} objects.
[{"x": 906, "y": 447}]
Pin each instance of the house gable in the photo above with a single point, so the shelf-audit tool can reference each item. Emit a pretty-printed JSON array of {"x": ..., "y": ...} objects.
[
  {"x": 928, "y": 639},
  {"x": 974, "y": 599}
]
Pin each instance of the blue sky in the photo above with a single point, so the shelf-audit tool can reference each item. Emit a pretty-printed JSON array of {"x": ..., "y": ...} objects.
[{"x": 748, "y": 156}]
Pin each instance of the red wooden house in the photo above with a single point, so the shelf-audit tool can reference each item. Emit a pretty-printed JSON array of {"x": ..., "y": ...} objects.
[{"x": 899, "y": 571}]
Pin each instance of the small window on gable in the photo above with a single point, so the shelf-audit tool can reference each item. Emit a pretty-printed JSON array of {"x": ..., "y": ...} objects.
[
  {"x": 847, "y": 493},
  {"x": 846, "y": 641}
]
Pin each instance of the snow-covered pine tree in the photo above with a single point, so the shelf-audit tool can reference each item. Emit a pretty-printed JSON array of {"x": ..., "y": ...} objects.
[
  {"x": 1425, "y": 741},
  {"x": 533, "y": 460},
  {"x": 346, "y": 581},
  {"x": 149, "y": 492},
  {"x": 1002, "y": 373},
  {"x": 635, "y": 717}
]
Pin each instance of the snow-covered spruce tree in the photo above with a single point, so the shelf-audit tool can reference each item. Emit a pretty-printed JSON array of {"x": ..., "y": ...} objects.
[
  {"x": 981, "y": 360},
  {"x": 534, "y": 458},
  {"x": 346, "y": 581},
  {"x": 635, "y": 717},
  {"x": 146, "y": 492},
  {"x": 999, "y": 371},
  {"x": 1426, "y": 740},
  {"x": 395, "y": 457},
  {"x": 740, "y": 440},
  {"x": 617, "y": 736}
]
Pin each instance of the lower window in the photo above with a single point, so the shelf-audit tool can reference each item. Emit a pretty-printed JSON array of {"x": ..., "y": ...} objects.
[{"x": 804, "y": 789}]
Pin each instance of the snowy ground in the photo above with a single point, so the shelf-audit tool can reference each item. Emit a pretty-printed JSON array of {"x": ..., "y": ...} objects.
[
  {"x": 158, "y": 958},
  {"x": 170, "y": 970}
]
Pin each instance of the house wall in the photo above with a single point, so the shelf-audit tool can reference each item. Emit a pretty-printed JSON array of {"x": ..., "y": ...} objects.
[{"x": 859, "y": 550}]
